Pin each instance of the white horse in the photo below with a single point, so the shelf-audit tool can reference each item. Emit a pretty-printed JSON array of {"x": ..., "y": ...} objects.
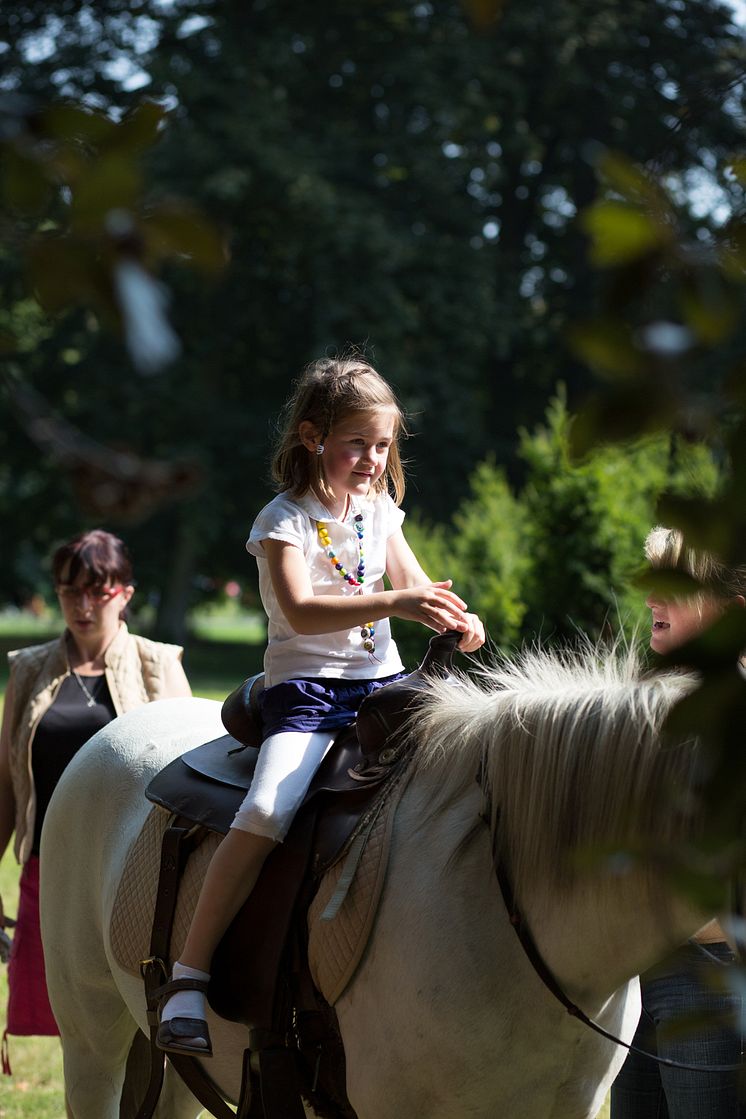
[{"x": 445, "y": 1017}]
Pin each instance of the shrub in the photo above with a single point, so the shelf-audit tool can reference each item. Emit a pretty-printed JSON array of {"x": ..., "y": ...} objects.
[
  {"x": 587, "y": 522},
  {"x": 558, "y": 558},
  {"x": 483, "y": 551}
]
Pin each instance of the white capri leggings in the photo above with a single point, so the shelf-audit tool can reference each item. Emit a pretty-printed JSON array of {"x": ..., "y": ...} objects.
[{"x": 285, "y": 768}]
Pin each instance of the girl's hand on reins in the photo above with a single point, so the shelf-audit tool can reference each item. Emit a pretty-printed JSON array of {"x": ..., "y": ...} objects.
[
  {"x": 472, "y": 637},
  {"x": 434, "y": 605}
]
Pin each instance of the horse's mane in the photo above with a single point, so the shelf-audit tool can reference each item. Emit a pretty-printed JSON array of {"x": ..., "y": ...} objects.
[{"x": 568, "y": 744}]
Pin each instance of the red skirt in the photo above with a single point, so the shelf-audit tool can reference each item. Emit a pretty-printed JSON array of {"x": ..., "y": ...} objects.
[{"x": 29, "y": 1012}]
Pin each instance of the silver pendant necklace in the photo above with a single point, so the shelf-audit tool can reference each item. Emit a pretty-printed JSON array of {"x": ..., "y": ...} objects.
[{"x": 90, "y": 700}]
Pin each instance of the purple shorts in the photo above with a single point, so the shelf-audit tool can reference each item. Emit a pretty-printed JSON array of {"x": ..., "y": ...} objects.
[{"x": 320, "y": 704}]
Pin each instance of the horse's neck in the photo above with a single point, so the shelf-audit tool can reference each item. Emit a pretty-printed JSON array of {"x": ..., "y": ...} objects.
[
  {"x": 598, "y": 934},
  {"x": 594, "y": 937}
]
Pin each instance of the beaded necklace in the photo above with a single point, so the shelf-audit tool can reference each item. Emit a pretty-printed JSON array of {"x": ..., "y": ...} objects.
[{"x": 367, "y": 632}]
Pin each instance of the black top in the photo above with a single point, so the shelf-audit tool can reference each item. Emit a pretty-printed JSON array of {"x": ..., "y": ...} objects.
[{"x": 65, "y": 727}]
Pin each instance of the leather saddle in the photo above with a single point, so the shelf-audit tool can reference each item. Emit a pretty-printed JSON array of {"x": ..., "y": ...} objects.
[{"x": 205, "y": 787}]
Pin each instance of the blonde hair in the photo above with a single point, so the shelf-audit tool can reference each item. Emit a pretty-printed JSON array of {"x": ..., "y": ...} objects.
[
  {"x": 328, "y": 391},
  {"x": 666, "y": 548}
]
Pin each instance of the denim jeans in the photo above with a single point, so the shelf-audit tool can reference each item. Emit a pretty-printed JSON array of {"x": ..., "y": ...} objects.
[{"x": 683, "y": 985}]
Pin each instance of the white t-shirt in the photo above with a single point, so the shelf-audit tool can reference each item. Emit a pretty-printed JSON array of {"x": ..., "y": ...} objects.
[{"x": 292, "y": 655}]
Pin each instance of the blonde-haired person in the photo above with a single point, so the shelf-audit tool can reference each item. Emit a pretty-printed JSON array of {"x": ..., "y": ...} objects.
[
  {"x": 323, "y": 546},
  {"x": 686, "y": 984},
  {"x": 59, "y": 694}
]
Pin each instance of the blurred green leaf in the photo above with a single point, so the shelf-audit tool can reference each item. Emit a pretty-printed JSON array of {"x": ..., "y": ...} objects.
[
  {"x": 716, "y": 652},
  {"x": 735, "y": 384},
  {"x": 25, "y": 187},
  {"x": 709, "y": 892},
  {"x": 629, "y": 180},
  {"x": 65, "y": 272},
  {"x": 625, "y": 282},
  {"x": 738, "y": 167},
  {"x": 738, "y": 456},
  {"x": 692, "y": 871},
  {"x": 710, "y": 310},
  {"x": 8, "y": 342},
  {"x": 110, "y": 183},
  {"x": 622, "y": 412},
  {"x": 620, "y": 232},
  {"x": 179, "y": 230},
  {"x": 704, "y": 522},
  {"x": 732, "y": 250},
  {"x": 65, "y": 163},
  {"x": 68, "y": 121},
  {"x": 139, "y": 128},
  {"x": 606, "y": 346},
  {"x": 484, "y": 13},
  {"x": 666, "y": 583},
  {"x": 715, "y": 712}
]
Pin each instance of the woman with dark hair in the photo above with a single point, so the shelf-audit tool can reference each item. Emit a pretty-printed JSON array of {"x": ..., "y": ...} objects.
[{"x": 59, "y": 694}]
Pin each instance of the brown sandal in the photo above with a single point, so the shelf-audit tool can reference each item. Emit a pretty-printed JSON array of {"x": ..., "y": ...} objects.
[{"x": 172, "y": 1035}]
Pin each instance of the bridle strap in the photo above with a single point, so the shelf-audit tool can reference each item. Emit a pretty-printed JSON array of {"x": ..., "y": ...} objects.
[{"x": 536, "y": 960}]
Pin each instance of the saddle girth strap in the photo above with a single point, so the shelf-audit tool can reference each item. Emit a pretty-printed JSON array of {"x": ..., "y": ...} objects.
[{"x": 179, "y": 840}]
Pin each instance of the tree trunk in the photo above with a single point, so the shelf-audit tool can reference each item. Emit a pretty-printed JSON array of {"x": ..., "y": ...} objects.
[{"x": 171, "y": 619}]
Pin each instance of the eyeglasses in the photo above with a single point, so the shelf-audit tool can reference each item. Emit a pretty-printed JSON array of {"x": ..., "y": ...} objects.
[{"x": 97, "y": 595}]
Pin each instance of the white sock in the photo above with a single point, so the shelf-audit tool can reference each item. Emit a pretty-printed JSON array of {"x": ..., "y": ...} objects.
[{"x": 185, "y": 1004}]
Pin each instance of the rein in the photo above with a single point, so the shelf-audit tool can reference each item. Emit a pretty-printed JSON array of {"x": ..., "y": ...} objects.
[{"x": 536, "y": 960}]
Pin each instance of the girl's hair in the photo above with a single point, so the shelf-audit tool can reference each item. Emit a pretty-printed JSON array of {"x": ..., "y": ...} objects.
[
  {"x": 328, "y": 391},
  {"x": 666, "y": 548},
  {"x": 100, "y": 557}
]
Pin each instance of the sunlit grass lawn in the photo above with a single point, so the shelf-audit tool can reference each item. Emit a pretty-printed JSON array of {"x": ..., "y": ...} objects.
[
  {"x": 34, "y": 1091},
  {"x": 215, "y": 667}
]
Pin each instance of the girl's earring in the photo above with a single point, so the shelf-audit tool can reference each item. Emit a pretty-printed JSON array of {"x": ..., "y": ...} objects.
[{"x": 319, "y": 448}]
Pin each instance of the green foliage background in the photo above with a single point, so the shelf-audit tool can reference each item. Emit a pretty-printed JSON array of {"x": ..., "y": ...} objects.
[
  {"x": 557, "y": 555},
  {"x": 389, "y": 176}
]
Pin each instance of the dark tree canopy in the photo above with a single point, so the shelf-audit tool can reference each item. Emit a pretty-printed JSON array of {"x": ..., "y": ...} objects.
[{"x": 387, "y": 177}]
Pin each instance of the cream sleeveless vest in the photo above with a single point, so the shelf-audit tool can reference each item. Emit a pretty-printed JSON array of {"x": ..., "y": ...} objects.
[{"x": 137, "y": 671}]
